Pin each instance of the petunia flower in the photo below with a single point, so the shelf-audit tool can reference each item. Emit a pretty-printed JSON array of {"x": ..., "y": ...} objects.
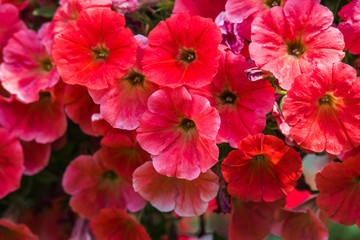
[
  {"x": 203, "y": 8},
  {"x": 179, "y": 130},
  {"x": 122, "y": 103},
  {"x": 36, "y": 156},
  {"x": 10, "y": 230},
  {"x": 186, "y": 198},
  {"x": 290, "y": 41},
  {"x": 114, "y": 223},
  {"x": 350, "y": 27},
  {"x": 182, "y": 50},
  {"x": 242, "y": 104},
  {"x": 322, "y": 109},
  {"x": 27, "y": 68},
  {"x": 262, "y": 169},
  {"x": 339, "y": 188},
  {"x": 95, "y": 50}
]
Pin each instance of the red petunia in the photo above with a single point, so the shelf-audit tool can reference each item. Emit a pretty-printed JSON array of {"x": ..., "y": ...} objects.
[
  {"x": 182, "y": 50},
  {"x": 113, "y": 223},
  {"x": 179, "y": 130},
  {"x": 11, "y": 162},
  {"x": 339, "y": 188},
  {"x": 263, "y": 168},
  {"x": 186, "y": 198},
  {"x": 27, "y": 68},
  {"x": 36, "y": 156},
  {"x": 323, "y": 109},
  {"x": 95, "y": 50},
  {"x": 10, "y": 230},
  {"x": 242, "y": 104},
  {"x": 290, "y": 41},
  {"x": 122, "y": 103},
  {"x": 350, "y": 27}
]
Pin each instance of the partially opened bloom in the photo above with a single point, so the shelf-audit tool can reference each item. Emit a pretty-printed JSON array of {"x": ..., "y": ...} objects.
[
  {"x": 36, "y": 156},
  {"x": 96, "y": 183},
  {"x": 113, "y": 223},
  {"x": 290, "y": 41},
  {"x": 262, "y": 169},
  {"x": 323, "y": 111},
  {"x": 179, "y": 130},
  {"x": 76, "y": 100},
  {"x": 43, "y": 121},
  {"x": 11, "y": 163},
  {"x": 123, "y": 102},
  {"x": 186, "y": 198},
  {"x": 203, "y": 8},
  {"x": 339, "y": 187},
  {"x": 9, "y": 24},
  {"x": 242, "y": 104},
  {"x": 71, "y": 9},
  {"x": 182, "y": 50},
  {"x": 27, "y": 68},
  {"x": 350, "y": 27},
  {"x": 10, "y": 230},
  {"x": 95, "y": 50}
]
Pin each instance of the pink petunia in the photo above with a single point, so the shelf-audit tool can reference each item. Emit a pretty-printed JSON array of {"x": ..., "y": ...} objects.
[
  {"x": 339, "y": 188},
  {"x": 71, "y": 9},
  {"x": 242, "y": 104},
  {"x": 36, "y": 156},
  {"x": 11, "y": 162},
  {"x": 182, "y": 50},
  {"x": 123, "y": 102},
  {"x": 323, "y": 111},
  {"x": 95, "y": 50},
  {"x": 186, "y": 198},
  {"x": 27, "y": 68},
  {"x": 9, "y": 24},
  {"x": 179, "y": 130},
  {"x": 290, "y": 41},
  {"x": 43, "y": 121},
  {"x": 350, "y": 27},
  {"x": 100, "y": 181},
  {"x": 262, "y": 169}
]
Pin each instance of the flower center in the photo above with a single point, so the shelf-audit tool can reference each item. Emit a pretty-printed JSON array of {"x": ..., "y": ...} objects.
[
  {"x": 272, "y": 3},
  {"x": 227, "y": 97},
  {"x": 109, "y": 175},
  {"x": 186, "y": 124},
  {"x": 46, "y": 64},
  {"x": 43, "y": 95},
  {"x": 187, "y": 55},
  {"x": 295, "y": 48},
  {"x": 100, "y": 52},
  {"x": 327, "y": 100},
  {"x": 135, "y": 78},
  {"x": 259, "y": 158}
]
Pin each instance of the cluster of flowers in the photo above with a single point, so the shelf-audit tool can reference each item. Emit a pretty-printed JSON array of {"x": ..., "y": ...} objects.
[{"x": 207, "y": 75}]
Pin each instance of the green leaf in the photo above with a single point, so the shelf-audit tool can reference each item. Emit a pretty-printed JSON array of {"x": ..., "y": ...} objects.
[{"x": 47, "y": 12}]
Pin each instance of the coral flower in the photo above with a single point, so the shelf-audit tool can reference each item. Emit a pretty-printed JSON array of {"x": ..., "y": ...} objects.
[
  {"x": 9, "y": 24},
  {"x": 122, "y": 103},
  {"x": 10, "y": 230},
  {"x": 182, "y": 50},
  {"x": 242, "y": 104},
  {"x": 350, "y": 27},
  {"x": 179, "y": 130},
  {"x": 70, "y": 10},
  {"x": 339, "y": 186},
  {"x": 104, "y": 180},
  {"x": 290, "y": 41},
  {"x": 43, "y": 121},
  {"x": 323, "y": 109},
  {"x": 12, "y": 160},
  {"x": 27, "y": 68},
  {"x": 263, "y": 168},
  {"x": 186, "y": 198},
  {"x": 203, "y": 8},
  {"x": 113, "y": 223},
  {"x": 95, "y": 50}
]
